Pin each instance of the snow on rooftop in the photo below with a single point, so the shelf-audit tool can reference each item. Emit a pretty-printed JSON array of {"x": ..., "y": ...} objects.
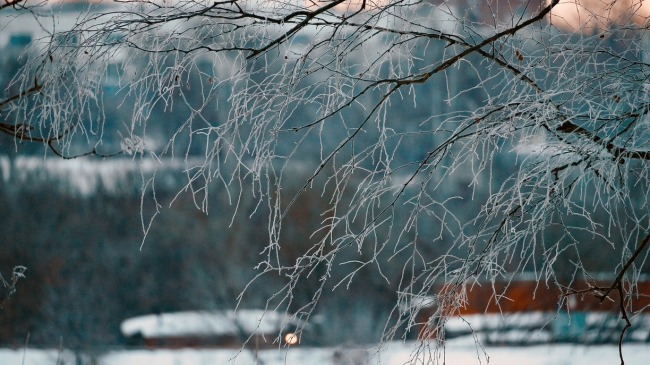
[
  {"x": 492, "y": 321},
  {"x": 205, "y": 323}
]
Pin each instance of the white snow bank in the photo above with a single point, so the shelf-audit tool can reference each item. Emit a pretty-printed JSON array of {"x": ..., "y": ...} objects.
[
  {"x": 536, "y": 327},
  {"x": 462, "y": 351},
  {"x": 493, "y": 321}
]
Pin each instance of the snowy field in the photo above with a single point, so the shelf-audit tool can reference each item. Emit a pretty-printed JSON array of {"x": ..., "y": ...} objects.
[{"x": 459, "y": 351}]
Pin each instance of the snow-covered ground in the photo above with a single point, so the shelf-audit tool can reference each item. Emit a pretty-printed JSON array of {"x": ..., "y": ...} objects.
[{"x": 461, "y": 351}]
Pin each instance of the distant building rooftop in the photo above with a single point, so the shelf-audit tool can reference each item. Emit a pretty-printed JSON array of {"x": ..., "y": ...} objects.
[
  {"x": 205, "y": 323},
  {"x": 226, "y": 328}
]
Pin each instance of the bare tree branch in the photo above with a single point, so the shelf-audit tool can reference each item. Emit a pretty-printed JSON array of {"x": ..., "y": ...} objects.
[{"x": 456, "y": 144}]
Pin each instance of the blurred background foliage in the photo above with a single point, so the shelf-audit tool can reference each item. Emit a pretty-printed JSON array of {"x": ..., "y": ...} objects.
[{"x": 86, "y": 271}]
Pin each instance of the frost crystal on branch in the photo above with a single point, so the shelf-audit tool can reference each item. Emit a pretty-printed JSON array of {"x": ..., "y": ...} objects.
[{"x": 131, "y": 145}]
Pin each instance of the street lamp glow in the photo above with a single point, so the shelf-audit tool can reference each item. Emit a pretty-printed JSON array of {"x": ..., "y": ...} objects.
[{"x": 291, "y": 338}]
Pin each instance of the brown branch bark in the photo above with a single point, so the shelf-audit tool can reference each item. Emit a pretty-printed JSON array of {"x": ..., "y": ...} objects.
[
  {"x": 628, "y": 324},
  {"x": 308, "y": 17},
  {"x": 11, "y": 3},
  {"x": 627, "y": 265},
  {"x": 602, "y": 293},
  {"x": 93, "y": 152},
  {"x": 37, "y": 87}
]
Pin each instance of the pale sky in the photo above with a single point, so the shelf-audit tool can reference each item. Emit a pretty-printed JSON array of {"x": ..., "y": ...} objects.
[{"x": 578, "y": 14}]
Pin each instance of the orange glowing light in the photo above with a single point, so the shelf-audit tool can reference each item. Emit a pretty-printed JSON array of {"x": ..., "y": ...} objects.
[
  {"x": 585, "y": 15},
  {"x": 291, "y": 338}
]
